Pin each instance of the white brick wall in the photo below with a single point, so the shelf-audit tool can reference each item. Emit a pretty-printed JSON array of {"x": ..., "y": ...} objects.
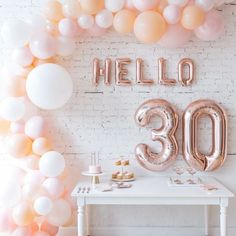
[{"x": 101, "y": 119}]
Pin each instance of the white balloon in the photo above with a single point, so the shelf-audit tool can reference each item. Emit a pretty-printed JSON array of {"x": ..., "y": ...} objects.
[
  {"x": 12, "y": 108},
  {"x": 49, "y": 86},
  {"x": 37, "y": 23},
  {"x": 43, "y": 206},
  {"x": 65, "y": 46},
  {"x": 16, "y": 32},
  {"x": 180, "y": 3},
  {"x": 52, "y": 164},
  {"x": 206, "y": 5},
  {"x": 104, "y": 19},
  {"x": 85, "y": 21},
  {"x": 60, "y": 214},
  {"x": 114, "y": 5}
]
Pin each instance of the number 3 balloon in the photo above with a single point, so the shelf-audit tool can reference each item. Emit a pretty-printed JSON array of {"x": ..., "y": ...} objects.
[
  {"x": 166, "y": 135},
  {"x": 196, "y": 159}
]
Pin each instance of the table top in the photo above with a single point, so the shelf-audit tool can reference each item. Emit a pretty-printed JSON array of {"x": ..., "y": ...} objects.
[{"x": 157, "y": 187}]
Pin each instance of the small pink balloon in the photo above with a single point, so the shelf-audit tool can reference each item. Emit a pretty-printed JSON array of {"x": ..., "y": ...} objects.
[
  {"x": 35, "y": 127},
  {"x": 23, "y": 56},
  {"x": 172, "y": 14},
  {"x": 41, "y": 233},
  {"x": 17, "y": 127},
  {"x": 96, "y": 31},
  {"x": 54, "y": 187},
  {"x": 6, "y": 221},
  {"x": 43, "y": 45},
  {"x": 129, "y": 5},
  {"x": 176, "y": 36},
  {"x": 145, "y": 5},
  {"x": 51, "y": 229},
  {"x": 68, "y": 28},
  {"x": 34, "y": 177},
  {"x": 22, "y": 231},
  {"x": 213, "y": 27}
]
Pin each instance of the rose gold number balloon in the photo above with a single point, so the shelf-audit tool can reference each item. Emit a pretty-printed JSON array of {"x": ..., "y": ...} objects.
[
  {"x": 196, "y": 159},
  {"x": 166, "y": 135}
]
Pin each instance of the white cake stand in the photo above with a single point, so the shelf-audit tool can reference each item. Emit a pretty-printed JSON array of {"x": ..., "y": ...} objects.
[{"x": 95, "y": 177}]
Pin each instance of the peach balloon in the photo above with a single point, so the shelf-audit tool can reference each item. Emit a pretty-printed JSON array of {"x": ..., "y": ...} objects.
[
  {"x": 41, "y": 145},
  {"x": 18, "y": 145},
  {"x": 124, "y": 21},
  {"x": 34, "y": 177},
  {"x": 192, "y": 17},
  {"x": 92, "y": 6},
  {"x": 41, "y": 233},
  {"x": 149, "y": 27},
  {"x": 53, "y": 10},
  {"x": 51, "y": 229},
  {"x": 23, "y": 214},
  {"x": 161, "y": 6},
  {"x": 14, "y": 87},
  {"x": 4, "y": 127},
  {"x": 71, "y": 9}
]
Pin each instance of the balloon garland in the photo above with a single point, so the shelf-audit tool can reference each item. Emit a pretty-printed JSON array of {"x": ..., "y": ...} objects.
[{"x": 33, "y": 197}]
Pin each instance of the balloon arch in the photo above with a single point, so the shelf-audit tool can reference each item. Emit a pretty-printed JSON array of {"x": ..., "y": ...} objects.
[{"x": 37, "y": 203}]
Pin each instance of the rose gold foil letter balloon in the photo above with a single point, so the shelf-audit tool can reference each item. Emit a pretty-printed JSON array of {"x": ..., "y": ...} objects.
[
  {"x": 196, "y": 159},
  {"x": 139, "y": 74},
  {"x": 166, "y": 135},
  {"x": 186, "y": 62},
  {"x": 163, "y": 80},
  {"x": 98, "y": 71},
  {"x": 121, "y": 72}
]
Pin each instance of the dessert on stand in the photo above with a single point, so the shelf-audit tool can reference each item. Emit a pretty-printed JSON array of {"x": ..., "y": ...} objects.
[{"x": 123, "y": 174}]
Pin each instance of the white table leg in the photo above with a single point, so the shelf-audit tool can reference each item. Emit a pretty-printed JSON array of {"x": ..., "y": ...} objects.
[
  {"x": 81, "y": 220},
  {"x": 223, "y": 227},
  {"x": 87, "y": 219},
  {"x": 206, "y": 213}
]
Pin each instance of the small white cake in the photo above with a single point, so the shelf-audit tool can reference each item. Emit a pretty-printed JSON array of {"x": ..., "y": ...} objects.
[{"x": 94, "y": 169}]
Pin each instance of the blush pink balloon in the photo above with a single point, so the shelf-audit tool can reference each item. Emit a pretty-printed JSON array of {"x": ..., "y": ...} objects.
[
  {"x": 51, "y": 229},
  {"x": 145, "y": 5},
  {"x": 6, "y": 221},
  {"x": 96, "y": 31},
  {"x": 176, "y": 36},
  {"x": 35, "y": 127},
  {"x": 212, "y": 28},
  {"x": 172, "y": 14},
  {"x": 129, "y": 5},
  {"x": 22, "y": 231},
  {"x": 17, "y": 127},
  {"x": 34, "y": 177},
  {"x": 54, "y": 187},
  {"x": 68, "y": 28},
  {"x": 23, "y": 56},
  {"x": 41, "y": 233},
  {"x": 43, "y": 45}
]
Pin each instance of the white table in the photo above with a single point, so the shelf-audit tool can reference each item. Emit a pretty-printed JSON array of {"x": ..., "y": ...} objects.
[{"x": 155, "y": 191}]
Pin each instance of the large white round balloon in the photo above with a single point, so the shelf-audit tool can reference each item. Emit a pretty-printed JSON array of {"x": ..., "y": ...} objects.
[
  {"x": 49, "y": 86},
  {"x": 16, "y": 32},
  {"x": 12, "y": 108},
  {"x": 180, "y": 3},
  {"x": 43, "y": 205},
  {"x": 52, "y": 164},
  {"x": 114, "y": 6},
  {"x": 60, "y": 214}
]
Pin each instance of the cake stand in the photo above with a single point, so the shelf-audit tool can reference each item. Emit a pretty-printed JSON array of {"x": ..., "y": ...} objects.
[{"x": 94, "y": 177}]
